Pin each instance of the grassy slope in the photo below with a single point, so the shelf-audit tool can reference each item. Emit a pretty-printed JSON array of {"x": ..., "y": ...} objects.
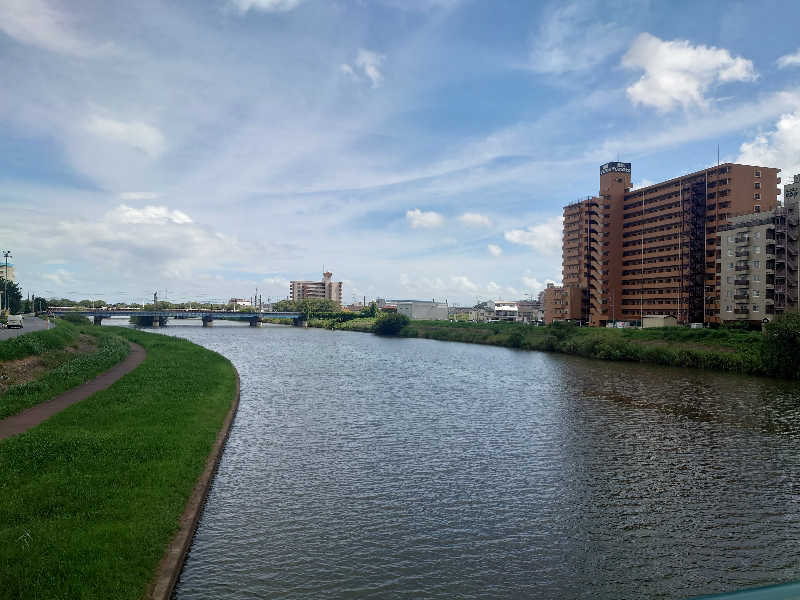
[
  {"x": 90, "y": 499},
  {"x": 38, "y": 342},
  {"x": 71, "y": 372}
]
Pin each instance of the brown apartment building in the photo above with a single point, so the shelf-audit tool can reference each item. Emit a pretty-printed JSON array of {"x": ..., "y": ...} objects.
[{"x": 653, "y": 250}]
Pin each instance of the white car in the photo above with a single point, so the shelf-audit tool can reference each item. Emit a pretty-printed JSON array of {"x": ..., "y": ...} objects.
[{"x": 14, "y": 321}]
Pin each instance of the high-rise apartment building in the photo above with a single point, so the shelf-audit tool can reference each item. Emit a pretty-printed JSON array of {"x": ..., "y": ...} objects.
[
  {"x": 759, "y": 275},
  {"x": 653, "y": 250},
  {"x": 321, "y": 290}
]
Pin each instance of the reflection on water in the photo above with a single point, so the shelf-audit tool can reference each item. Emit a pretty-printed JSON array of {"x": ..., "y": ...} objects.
[{"x": 379, "y": 468}]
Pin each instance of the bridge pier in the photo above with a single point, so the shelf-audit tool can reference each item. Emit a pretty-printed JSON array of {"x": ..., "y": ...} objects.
[
  {"x": 207, "y": 321},
  {"x": 156, "y": 322},
  {"x": 255, "y": 322},
  {"x": 98, "y": 320}
]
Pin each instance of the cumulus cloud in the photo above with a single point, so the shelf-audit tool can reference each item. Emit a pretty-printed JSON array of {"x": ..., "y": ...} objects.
[
  {"x": 789, "y": 60},
  {"x": 677, "y": 73},
  {"x": 60, "y": 277},
  {"x": 273, "y": 6},
  {"x": 495, "y": 250},
  {"x": 425, "y": 220},
  {"x": 475, "y": 220},
  {"x": 572, "y": 40},
  {"x": 544, "y": 237},
  {"x": 36, "y": 23},
  {"x": 367, "y": 65},
  {"x": 534, "y": 285},
  {"x": 136, "y": 134},
  {"x": 777, "y": 148}
]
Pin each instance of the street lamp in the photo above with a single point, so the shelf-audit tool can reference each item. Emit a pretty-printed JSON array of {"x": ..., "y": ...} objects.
[{"x": 6, "y": 254}]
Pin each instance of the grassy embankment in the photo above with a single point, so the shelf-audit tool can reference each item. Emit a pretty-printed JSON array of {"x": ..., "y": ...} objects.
[
  {"x": 90, "y": 498},
  {"x": 36, "y": 367},
  {"x": 720, "y": 349}
]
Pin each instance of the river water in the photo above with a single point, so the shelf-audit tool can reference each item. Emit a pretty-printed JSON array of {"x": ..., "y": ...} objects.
[{"x": 367, "y": 467}]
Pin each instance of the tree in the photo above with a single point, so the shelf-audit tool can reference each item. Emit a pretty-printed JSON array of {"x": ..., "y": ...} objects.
[
  {"x": 780, "y": 350},
  {"x": 14, "y": 300},
  {"x": 391, "y": 323},
  {"x": 370, "y": 311}
]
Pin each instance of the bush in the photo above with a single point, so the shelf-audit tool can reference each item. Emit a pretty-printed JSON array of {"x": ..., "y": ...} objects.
[
  {"x": 780, "y": 351},
  {"x": 391, "y": 323},
  {"x": 76, "y": 319}
]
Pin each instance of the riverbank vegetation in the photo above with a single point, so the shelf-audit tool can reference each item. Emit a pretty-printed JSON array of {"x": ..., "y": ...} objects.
[
  {"x": 90, "y": 498},
  {"x": 38, "y": 366},
  {"x": 776, "y": 352}
]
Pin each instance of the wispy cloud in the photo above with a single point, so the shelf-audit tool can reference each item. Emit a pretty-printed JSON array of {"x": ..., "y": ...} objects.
[
  {"x": 135, "y": 134},
  {"x": 789, "y": 60},
  {"x": 475, "y": 220},
  {"x": 367, "y": 65},
  {"x": 543, "y": 237},
  {"x": 268, "y": 6},
  {"x": 494, "y": 249}
]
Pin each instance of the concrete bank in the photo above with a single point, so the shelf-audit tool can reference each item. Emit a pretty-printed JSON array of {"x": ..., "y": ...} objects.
[{"x": 171, "y": 564}]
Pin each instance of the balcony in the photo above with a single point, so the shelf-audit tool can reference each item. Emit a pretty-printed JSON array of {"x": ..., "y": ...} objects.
[
  {"x": 740, "y": 311},
  {"x": 741, "y": 296},
  {"x": 742, "y": 239},
  {"x": 740, "y": 268},
  {"x": 743, "y": 252},
  {"x": 742, "y": 282}
]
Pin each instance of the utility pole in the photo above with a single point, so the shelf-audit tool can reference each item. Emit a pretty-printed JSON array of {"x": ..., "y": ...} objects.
[{"x": 6, "y": 254}]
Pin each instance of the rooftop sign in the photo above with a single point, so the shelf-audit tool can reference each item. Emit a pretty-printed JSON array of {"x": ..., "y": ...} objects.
[{"x": 615, "y": 167}]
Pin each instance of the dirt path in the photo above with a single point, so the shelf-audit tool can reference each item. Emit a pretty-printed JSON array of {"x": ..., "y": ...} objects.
[{"x": 34, "y": 415}]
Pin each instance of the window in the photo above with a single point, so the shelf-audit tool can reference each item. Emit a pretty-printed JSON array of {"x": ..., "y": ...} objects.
[
  {"x": 755, "y": 293},
  {"x": 730, "y": 239},
  {"x": 757, "y": 185},
  {"x": 728, "y": 308},
  {"x": 730, "y": 280},
  {"x": 758, "y": 235},
  {"x": 757, "y": 173},
  {"x": 756, "y": 249},
  {"x": 730, "y": 251},
  {"x": 756, "y": 264},
  {"x": 756, "y": 196},
  {"x": 755, "y": 307},
  {"x": 757, "y": 208},
  {"x": 756, "y": 277}
]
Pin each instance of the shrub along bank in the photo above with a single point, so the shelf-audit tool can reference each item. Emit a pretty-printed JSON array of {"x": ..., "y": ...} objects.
[
  {"x": 777, "y": 352},
  {"x": 90, "y": 498}
]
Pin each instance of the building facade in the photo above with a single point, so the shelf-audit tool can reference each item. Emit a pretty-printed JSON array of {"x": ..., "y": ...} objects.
[
  {"x": 562, "y": 303},
  {"x": 319, "y": 290},
  {"x": 422, "y": 310},
  {"x": 652, "y": 250},
  {"x": 758, "y": 262}
]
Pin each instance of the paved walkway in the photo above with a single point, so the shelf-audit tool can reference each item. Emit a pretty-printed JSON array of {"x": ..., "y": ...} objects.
[{"x": 34, "y": 415}]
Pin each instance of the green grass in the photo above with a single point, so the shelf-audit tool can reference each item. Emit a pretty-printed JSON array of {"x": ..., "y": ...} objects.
[
  {"x": 90, "y": 498},
  {"x": 62, "y": 334},
  {"x": 67, "y": 372}
]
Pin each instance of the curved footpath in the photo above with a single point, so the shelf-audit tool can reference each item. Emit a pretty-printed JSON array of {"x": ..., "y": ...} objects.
[{"x": 34, "y": 415}]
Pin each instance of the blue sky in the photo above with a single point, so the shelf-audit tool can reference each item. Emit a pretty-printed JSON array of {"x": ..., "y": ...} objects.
[{"x": 416, "y": 149}]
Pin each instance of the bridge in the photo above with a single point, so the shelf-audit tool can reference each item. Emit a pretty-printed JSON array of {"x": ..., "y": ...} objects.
[{"x": 159, "y": 317}]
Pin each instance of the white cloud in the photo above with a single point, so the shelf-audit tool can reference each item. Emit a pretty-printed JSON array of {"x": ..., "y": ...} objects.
[
  {"x": 495, "y": 250},
  {"x": 571, "y": 40},
  {"x": 789, "y": 60},
  {"x": 149, "y": 215},
  {"x": 132, "y": 196},
  {"x": 36, "y": 23},
  {"x": 426, "y": 220},
  {"x": 534, "y": 285},
  {"x": 475, "y": 220},
  {"x": 136, "y": 134},
  {"x": 544, "y": 237},
  {"x": 60, "y": 277},
  {"x": 679, "y": 74},
  {"x": 265, "y": 5},
  {"x": 368, "y": 64},
  {"x": 463, "y": 283},
  {"x": 777, "y": 148}
]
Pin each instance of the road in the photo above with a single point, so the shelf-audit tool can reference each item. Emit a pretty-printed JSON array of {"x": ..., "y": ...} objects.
[{"x": 31, "y": 324}]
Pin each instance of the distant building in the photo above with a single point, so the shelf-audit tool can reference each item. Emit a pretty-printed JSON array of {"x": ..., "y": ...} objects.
[
  {"x": 9, "y": 275},
  {"x": 240, "y": 302},
  {"x": 758, "y": 262},
  {"x": 319, "y": 290},
  {"x": 530, "y": 311},
  {"x": 504, "y": 310},
  {"x": 563, "y": 304},
  {"x": 422, "y": 310},
  {"x": 659, "y": 321}
]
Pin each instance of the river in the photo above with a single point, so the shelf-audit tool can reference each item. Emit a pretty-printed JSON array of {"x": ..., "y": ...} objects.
[{"x": 367, "y": 467}]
